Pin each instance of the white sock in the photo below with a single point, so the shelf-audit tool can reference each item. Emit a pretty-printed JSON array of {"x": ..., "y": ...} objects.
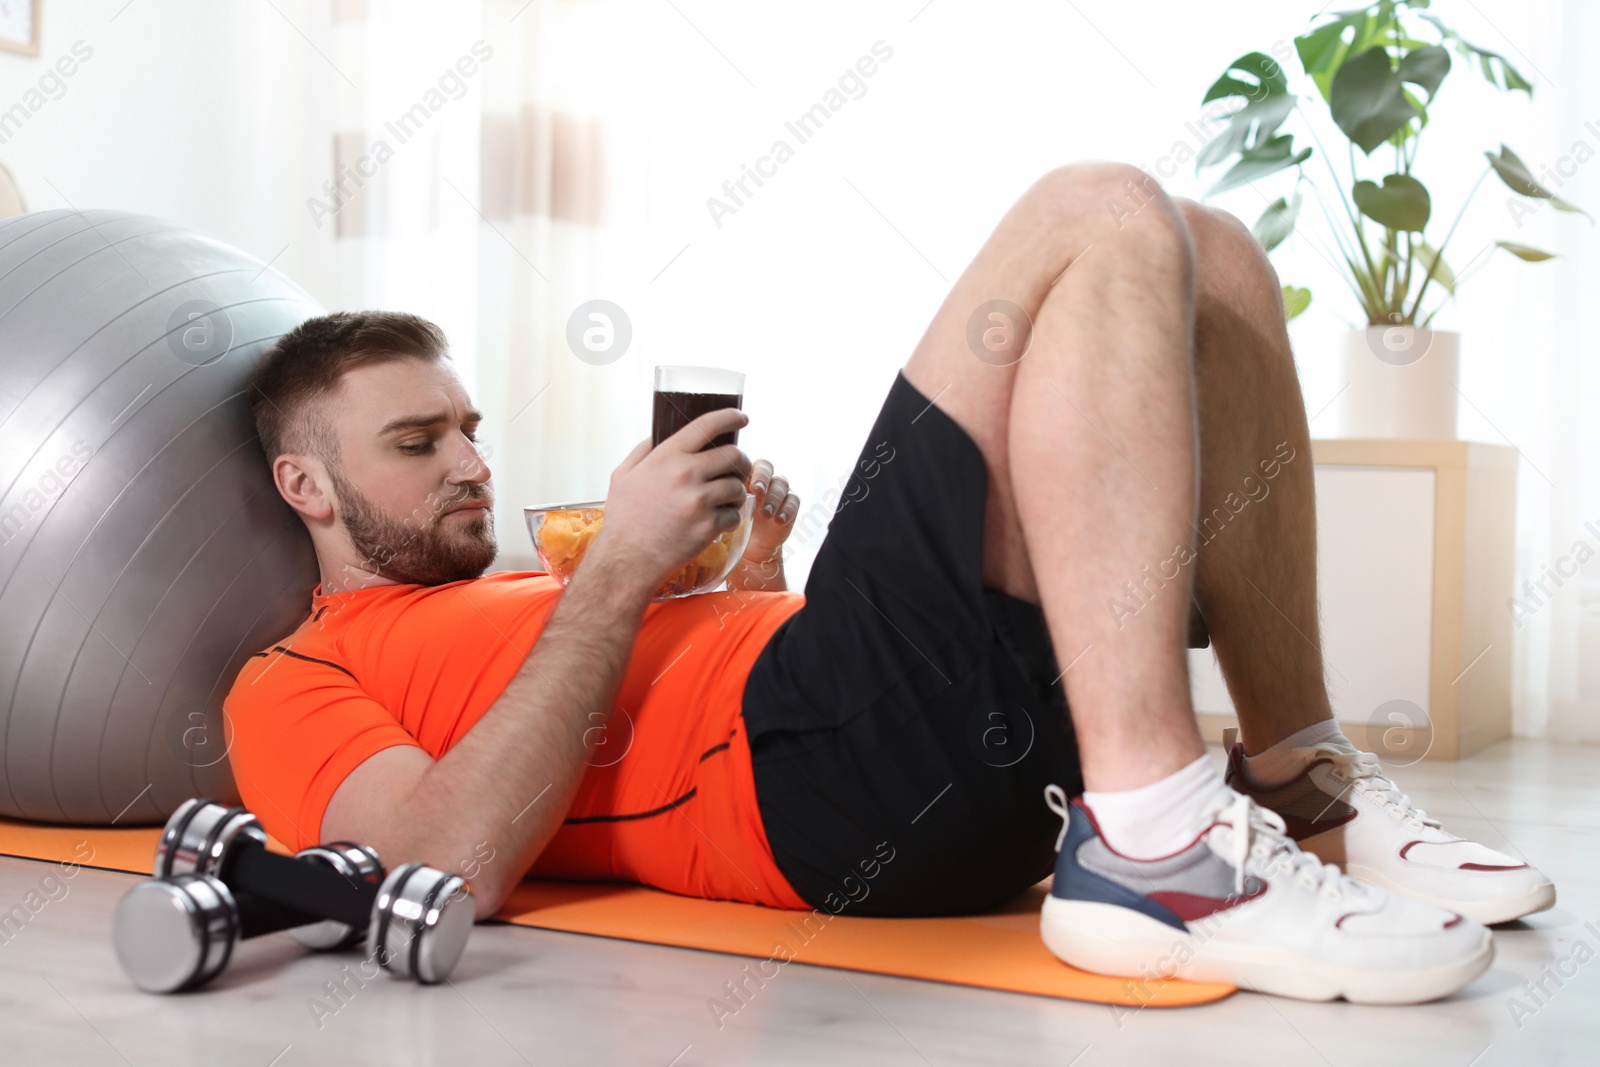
[
  {"x": 1158, "y": 819},
  {"x": 1279, "y": 765}
]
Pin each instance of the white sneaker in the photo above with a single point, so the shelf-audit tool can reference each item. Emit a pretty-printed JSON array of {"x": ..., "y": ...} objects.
[
  {"x": 1345, "y": 809},
  {"x": 1243, "y": 905}
]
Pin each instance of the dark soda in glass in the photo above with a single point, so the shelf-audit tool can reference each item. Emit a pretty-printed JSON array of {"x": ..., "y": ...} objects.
[{"x": 683, "y": 394}]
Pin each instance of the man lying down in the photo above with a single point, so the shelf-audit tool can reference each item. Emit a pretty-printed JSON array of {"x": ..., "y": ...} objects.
[{"x": 996, "y": 622}]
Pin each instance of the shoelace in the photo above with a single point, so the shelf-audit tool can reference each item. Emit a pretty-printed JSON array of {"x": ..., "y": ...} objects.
[
  {"x": 1259, "y": 831},
  {"x": 1363, "y": 771},
  {"x": 1055, "y": 798}
]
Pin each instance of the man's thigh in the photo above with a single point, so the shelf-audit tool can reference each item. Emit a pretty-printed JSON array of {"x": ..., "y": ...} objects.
[
  {"x": 967, "y": 359},
  {"x": 897, "y": 589}
]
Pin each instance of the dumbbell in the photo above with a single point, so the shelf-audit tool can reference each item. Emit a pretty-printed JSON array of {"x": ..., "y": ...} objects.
[
  {"x": 206, "y": 838},
  {"x": 178, "y": 933},
  {"x": 217, "y": 883}
]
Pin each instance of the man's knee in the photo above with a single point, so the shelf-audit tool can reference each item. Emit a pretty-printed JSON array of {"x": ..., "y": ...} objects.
[
  {"x": 1110, "y": 199},
  {"x": 1226, "y": 249},
  {"x": 1238, "y": 294}
]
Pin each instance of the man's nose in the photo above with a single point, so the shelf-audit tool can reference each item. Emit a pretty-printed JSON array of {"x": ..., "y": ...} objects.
[{"x": 471, "y": 466}]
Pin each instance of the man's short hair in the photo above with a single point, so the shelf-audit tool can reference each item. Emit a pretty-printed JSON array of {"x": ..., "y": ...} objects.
[{"x": 306, "y": 364}]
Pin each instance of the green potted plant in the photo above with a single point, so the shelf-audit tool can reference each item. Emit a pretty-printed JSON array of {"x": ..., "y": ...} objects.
[{"x": 1378, "y": 70}]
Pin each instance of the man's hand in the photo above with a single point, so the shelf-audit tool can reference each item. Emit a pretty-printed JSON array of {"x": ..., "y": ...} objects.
[
  {"x": 776, "y": 508},
  {"x": 761, "y": 566},
  {"x": 666, "y": 504}
]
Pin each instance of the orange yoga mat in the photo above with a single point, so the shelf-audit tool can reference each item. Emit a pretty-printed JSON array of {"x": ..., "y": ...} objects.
[{"x": 996, "y": 950}]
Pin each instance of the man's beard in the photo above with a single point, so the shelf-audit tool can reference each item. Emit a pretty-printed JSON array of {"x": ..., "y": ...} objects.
[{"x": 421, "y": 551}]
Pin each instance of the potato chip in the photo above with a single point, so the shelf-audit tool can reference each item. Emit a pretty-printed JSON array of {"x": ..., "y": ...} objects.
[{"x": 714, "y": 557}]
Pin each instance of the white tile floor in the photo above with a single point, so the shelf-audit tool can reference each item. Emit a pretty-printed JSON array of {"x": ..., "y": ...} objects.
[{"x": 524, "y": 996}]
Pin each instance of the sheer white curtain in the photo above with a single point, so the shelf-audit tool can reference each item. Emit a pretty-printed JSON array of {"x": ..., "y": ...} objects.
[
  {"x": 481, "y": 189},
  {"x": 1558, "y": 652},
  {"x": 561, "y": 194},
  {"x": 405, "y": 133}
]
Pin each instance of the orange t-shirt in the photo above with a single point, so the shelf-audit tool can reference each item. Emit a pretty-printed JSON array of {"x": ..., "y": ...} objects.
[{"x": 669, "y": 797}]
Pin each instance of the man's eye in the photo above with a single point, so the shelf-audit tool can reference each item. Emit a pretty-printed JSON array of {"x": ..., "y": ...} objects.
[{"x": 423, "y": 447}]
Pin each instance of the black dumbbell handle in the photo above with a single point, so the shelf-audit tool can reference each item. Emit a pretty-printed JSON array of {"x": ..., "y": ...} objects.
[
  {"x": 259, "y": 916},
  {"x": 308, "y": 889}
]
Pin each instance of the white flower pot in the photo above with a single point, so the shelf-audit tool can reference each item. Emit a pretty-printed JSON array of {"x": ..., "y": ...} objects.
[{"x": 1401, "y": 382}]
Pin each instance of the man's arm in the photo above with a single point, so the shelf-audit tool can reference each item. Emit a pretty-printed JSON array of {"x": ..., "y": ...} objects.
[{"x": 506, "y": 786}]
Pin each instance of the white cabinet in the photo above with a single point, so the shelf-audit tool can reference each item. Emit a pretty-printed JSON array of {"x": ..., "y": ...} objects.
[{"x": 1414, "y": 567}]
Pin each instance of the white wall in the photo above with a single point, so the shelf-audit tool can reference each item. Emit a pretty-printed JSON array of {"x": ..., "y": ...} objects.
[{"x": 191, "y": 111}]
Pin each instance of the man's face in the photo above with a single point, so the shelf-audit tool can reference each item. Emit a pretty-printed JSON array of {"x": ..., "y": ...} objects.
[{"x": 410, "y": 488}]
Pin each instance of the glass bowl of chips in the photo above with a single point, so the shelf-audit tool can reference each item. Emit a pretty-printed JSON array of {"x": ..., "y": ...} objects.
[{"x": 562, "y": 533}]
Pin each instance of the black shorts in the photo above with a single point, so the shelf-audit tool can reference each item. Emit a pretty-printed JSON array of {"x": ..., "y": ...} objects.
[{"x": 904, "y": 723}]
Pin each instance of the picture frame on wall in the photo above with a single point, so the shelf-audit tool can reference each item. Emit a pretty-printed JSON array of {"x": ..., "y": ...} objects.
[{"x": 19, "y": 26}]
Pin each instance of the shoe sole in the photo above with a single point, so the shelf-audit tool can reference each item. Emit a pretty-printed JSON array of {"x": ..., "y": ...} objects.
[
  {"x": 1488, "y": 912},
  {"x": 1117, "y": 941}
]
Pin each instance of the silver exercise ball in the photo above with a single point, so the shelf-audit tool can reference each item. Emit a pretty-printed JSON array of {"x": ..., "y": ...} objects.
[{"x": 144, "y": 552}]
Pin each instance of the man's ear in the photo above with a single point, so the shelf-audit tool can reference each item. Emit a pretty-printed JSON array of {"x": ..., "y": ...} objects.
[{"x": 302, "y": 481}]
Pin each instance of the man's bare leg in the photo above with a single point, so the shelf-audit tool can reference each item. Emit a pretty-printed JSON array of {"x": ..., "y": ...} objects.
[
  {"x": 1093, "y": 465},
  {"x": 1089, "y": 443},
  {"x": 1089, "y": 440},
  {"x": 1258, "y": 593},
  {"x": 1256, "y": 578}
]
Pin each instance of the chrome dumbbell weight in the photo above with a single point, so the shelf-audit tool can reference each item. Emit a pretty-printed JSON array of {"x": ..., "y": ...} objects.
[
  {"x": 417, "y": 923},
  {"x": 172, "y": 934},
  {"x": 177, "y": 933},
  {"x": 417, "y": 919},
  {"x": 358, "y": 865},
  {"x": 337, "y": 885}
]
